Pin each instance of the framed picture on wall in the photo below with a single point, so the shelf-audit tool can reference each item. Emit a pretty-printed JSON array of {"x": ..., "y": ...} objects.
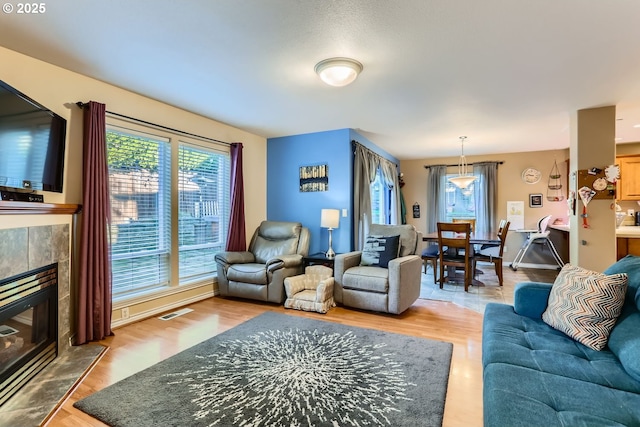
[
  {"x": 535, "y": 200},
  {"x": 314, "y": 178}
]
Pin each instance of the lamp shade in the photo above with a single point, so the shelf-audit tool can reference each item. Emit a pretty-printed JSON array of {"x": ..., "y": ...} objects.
[
  {"x": 338, "y": 71},
  {"x": 462, "y": 182},
  {"x": 464, "y": 179},
  {"x": 330, "y": 218}
]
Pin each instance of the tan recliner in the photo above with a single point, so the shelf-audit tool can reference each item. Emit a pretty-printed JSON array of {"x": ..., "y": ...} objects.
[
  {"x": 390, "y": 290},
  {"x": 275, "y": 252}
]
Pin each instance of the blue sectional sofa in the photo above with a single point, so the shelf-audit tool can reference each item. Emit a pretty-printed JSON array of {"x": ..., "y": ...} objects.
[{"x": 534, "y": 375}]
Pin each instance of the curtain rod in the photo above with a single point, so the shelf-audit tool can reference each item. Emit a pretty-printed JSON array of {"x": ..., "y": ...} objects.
[
  {"x": 470, "y": 164},
  {"x": 83, "y": 104}
]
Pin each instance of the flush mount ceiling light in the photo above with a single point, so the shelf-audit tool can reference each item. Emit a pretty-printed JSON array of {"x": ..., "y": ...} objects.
[
  {"x": 338, "y": 71},
  {"x": 463, "y": 180}
]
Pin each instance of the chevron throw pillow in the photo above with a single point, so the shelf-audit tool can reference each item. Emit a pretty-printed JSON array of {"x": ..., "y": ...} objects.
[{"x": 585, "y": 304}]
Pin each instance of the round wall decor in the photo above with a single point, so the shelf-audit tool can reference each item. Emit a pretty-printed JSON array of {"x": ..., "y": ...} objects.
[{"x": 531, "y": 175}]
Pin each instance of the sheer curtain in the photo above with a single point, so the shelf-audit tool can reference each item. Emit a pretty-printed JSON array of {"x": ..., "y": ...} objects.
[
  {"x": 94, "y": 284},
  {"x": 486, "y": 195},
  {"x": 436, "y": 202},
  {"x": 236, "y": 238}
]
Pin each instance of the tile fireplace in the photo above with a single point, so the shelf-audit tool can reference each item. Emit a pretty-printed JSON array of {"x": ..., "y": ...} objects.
[
  {"x": 23, "y": 251},
  {"x": 28, "y": 327}
]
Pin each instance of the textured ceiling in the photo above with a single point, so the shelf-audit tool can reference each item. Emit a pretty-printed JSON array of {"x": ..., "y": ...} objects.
[{"x": 506, "y": 73}]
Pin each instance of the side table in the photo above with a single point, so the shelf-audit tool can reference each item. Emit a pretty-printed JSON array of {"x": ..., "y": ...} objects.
[{"x": 318, "y": 259}]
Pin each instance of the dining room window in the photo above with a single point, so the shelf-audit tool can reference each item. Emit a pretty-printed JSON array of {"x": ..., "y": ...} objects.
[{"x": 460, "y": 204}]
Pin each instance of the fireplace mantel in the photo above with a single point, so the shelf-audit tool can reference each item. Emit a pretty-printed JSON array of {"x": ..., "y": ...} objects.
[{"x": 35, "y": 208}]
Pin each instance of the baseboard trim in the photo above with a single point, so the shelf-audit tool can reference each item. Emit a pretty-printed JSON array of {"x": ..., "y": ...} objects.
[
  {"x": 160, "y": 309},
  {"x": 537, "y": 266}
]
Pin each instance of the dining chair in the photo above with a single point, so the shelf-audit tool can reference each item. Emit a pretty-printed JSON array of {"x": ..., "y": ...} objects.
[
  {"x": 430, "y": 255},
  {"x": 455, "y": 237},
  {"x": 493, "y": 253}
]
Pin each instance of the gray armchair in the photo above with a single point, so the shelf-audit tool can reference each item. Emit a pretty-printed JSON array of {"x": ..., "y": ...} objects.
[
  {"x": 275, "y": 252},
  {"x": 371, "y": 287}
]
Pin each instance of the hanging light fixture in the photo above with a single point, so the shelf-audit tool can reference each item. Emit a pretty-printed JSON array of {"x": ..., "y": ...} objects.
[
  {"x": 338, "y": 71},
  {"x": 464, "y": 179}
]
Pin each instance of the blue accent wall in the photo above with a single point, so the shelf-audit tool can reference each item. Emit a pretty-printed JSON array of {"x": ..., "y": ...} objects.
[{"x": 285, "y": 201}]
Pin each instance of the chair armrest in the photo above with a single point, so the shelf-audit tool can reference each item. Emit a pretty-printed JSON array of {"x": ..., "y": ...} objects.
[
  {"x": 284, "y": 261},
  {"x": 294, "y": 284},
  {"x": 234, "y": 257},
  {"x": 405, "y": 274},
  {"x": 324, "y": 291},
  {"x": 345, "y": 261},
  {"x": 530, "y": 298}
]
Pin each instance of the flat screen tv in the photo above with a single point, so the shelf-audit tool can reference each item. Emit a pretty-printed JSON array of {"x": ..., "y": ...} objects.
[{"x": 32, "y": 142}]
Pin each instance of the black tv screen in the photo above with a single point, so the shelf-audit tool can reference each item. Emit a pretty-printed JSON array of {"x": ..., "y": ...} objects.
[{"x": 32, "y": 141}]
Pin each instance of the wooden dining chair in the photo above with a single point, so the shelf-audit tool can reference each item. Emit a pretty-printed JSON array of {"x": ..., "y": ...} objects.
[
  {"x": 492, "y": 253},
  {"x": 455, "y": 237},
  {"x": 430, "y": 255}
]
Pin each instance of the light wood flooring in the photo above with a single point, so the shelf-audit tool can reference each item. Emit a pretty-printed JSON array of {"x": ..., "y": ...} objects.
[{"x": 140, "y": 345}]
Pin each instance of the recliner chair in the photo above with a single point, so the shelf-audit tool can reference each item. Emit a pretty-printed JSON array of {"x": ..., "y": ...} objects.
[
  {"x": 275, "y": 252},
  {"x": 390, "y": 289}
]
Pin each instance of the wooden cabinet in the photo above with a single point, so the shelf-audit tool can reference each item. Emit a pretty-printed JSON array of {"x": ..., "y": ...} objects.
[
  {"x": 629, "y": 183},
  {"x": 626, "y": 246}
]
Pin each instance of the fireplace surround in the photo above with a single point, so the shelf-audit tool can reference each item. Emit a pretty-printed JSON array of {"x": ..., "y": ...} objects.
[
  {"x": 28, "y": 327},
  {"x": 24, "y": 249}
]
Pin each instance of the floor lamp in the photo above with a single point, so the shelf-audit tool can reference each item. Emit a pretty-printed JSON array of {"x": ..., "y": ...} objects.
[{"x": 330, "y": 218}]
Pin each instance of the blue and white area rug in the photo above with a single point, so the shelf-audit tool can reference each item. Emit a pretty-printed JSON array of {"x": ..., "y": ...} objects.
[{"x": 281, "y": 370}]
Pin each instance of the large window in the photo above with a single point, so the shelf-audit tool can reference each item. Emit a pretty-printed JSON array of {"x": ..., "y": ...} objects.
[
  {"x": 153, "y": 178},
  {"x": 203, "y": 176},
  {"x": 459, "y": 203},
  {"x": 139, "y": 177}
]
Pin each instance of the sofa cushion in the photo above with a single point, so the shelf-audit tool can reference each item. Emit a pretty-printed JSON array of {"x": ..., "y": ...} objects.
[
  {"x": 274, "y": 238},
  {"x": 371, "y": 279},
  {"x": 585, "y": 304},
  {"x": 624, "y": 340},
  {"x": 379, "y": 250},
  {"x": 531, "y": 343},
  {"x": 248, "y": 273},
  {"x": 630, "y": 265},
  {"x": 515, "y": 396},
  {"x": 408, "y": 236}
]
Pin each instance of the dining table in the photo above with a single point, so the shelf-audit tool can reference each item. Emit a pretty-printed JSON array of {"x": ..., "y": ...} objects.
[{"x": 475, "y": 238}]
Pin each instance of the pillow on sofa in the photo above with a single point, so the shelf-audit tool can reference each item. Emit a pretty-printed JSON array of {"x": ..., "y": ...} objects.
[
  {"x": 379, "y": 250},
  {"x": 585, "y": 304}
]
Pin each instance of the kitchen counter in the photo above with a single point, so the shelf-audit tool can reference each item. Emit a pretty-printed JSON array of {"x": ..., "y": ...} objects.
[{"x": 629, "y": 231}]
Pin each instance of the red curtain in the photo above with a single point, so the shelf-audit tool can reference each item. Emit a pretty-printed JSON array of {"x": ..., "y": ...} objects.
[
  {"x": 94, "y": 287},
  {"x": 236, "y": 239}
]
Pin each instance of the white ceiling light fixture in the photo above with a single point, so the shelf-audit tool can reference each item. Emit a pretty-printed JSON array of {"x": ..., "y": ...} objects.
[
  {"x": 338, "y": 71},
  {"x": 464, "y": 179}
]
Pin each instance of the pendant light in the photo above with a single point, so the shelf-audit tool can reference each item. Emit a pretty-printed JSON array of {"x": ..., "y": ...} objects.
[{"x": 464, "y": 179}]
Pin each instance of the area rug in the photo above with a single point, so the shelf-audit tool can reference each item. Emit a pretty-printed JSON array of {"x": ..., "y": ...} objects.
[{"x": 283, "y": 370}]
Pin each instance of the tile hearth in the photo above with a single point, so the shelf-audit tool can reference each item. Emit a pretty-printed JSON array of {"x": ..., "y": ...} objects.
[{"x": 43, "y": 394}]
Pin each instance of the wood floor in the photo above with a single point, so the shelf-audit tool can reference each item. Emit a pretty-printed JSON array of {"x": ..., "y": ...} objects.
[{"x": 140, "y": 345}]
